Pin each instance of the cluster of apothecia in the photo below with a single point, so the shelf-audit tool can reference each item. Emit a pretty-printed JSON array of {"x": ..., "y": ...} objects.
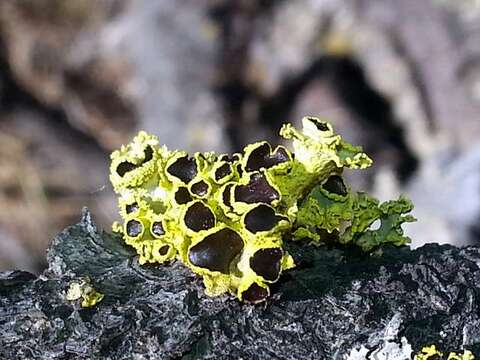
[{"x": 226, "y": 216}]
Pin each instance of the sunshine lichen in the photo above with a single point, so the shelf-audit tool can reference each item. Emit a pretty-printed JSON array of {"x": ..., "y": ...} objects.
[
  {"x": 226, "y": 216},
  {"x": 84, "y": 291},
  {"x": 431, "y": 353}
]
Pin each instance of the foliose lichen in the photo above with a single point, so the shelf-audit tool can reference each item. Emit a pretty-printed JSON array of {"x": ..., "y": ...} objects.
[
  {"x": 226, "y": 216},
  {"x": 431, "y": 353},
  {"x": 83, "y": 290}
]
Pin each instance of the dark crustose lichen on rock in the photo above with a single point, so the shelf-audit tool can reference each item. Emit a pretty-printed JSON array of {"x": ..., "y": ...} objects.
[{"x": 332, "y": 305}]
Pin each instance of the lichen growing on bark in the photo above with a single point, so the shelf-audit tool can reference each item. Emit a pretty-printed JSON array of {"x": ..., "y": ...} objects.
[{"x": 226, "y": 216}]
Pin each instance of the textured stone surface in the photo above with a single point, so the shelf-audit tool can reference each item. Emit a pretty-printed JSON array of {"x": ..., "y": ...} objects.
[{"x": 334, "y": 304}]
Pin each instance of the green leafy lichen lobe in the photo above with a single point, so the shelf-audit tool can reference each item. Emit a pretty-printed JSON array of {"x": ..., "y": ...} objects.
[{"x": 226, "y": 216}]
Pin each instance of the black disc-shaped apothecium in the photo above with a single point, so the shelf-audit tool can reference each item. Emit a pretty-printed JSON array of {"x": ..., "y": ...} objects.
[
  {"x": 182, "y": 196},
  {"x": 200, "y": 188},
  {"x": 321, "y": 125},
  {"x": 126, "y": 166},
  {"x": 216, "y": 251},
  {"x": 130, "y": 208},
  {"x": 239, "y": 170},
  {"x": 134, "y": 228},
  {"x": 226, "y": 195},
  {"x": 157, "y": 228},
  {"x": 164, "y": 250},
  {"x": 199, "y": 217},
  {"x": 262, "y": 157},
  {"x": 267, "y": 263},
  {"x": 183, "y": 168},
  {"x": 229, "y": 158},
  {"x": 223, "y": 171},
  {"x": 261, "y": 218},
  {"x": 335, "y": 185},
  {"x": 258, "y": 190},
  {"x": 255, "y": 293}
]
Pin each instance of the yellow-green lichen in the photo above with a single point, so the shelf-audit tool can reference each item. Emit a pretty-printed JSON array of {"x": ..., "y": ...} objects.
[
  {"x": 431, "y": 353},
  {"x": 226, "y": 216},
  {"x": 354, "y": 213},
  {"x": 83, "y": 290}
]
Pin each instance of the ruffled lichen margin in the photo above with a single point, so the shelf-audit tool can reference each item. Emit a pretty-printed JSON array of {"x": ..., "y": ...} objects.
[{"x": 226, "y": 216}]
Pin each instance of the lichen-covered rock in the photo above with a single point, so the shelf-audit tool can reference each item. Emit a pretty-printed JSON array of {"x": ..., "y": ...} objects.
[
  {"x": 336, "y": 304},
  {"x": 431, "y": 353},
  {"x": 226, "y": 216}
]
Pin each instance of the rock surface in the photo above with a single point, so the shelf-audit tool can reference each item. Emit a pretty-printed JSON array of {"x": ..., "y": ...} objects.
[{"x": 334, "y": 305}]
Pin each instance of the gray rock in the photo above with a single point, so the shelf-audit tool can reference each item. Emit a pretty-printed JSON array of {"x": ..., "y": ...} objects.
[{"x": 336, "y": 304}]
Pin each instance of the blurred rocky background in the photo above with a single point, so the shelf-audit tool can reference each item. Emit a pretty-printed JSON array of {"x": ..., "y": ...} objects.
[{"x": 79, "y": 78}]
